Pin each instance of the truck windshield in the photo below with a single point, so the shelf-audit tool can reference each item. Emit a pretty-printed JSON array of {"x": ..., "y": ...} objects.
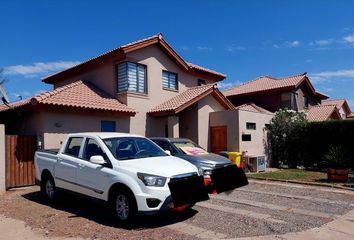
[{"x": 125, "y": 148}]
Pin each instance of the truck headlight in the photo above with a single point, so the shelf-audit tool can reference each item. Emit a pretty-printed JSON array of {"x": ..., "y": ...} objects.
[{"x": 152, "y": 180}]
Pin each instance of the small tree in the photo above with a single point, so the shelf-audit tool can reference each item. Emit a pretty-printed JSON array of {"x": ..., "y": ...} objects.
[{"x": 285, "y": 137}]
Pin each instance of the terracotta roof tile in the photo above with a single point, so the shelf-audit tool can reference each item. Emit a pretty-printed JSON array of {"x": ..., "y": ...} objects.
[
  {"x": 321, "y": 112},
  {"x": 251, "y": 107},
  {"x": 79, "y": 94},
  {"x": 12, "y": 105},
  {"x": 265, "y": 83},
  {"x": 188, "y": 97},
  {"x": 340, "y": 103},
  {"x": 194, "y": 66},
  {"x": 350, "y": 115},
  {"x": 157, "y": 38}
]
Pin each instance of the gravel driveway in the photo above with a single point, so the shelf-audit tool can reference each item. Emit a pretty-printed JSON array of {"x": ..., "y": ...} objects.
[{"x": 254, "y": 210}]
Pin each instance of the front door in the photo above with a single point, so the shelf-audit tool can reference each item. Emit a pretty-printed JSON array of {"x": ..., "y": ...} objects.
[{"x": 218, "y": 136}]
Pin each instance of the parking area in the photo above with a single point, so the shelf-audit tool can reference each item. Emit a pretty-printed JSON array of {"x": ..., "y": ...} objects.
[{"x": 261, "y": 208}]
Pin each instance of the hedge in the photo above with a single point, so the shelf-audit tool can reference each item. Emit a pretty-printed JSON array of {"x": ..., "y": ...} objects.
[{"x": 319, "y": 136}]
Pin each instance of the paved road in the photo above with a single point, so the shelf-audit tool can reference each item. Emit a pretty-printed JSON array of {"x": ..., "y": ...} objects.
[{"x": 259, "y": 209}]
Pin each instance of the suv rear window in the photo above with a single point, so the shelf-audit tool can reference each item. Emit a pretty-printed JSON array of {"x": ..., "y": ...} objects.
[{"x": 73, "y": 146}]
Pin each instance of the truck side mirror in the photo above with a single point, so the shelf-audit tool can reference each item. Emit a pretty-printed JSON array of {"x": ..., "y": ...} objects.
[
  {"x": 97, "y": 159},
  {"x": 168, "y": 152}
]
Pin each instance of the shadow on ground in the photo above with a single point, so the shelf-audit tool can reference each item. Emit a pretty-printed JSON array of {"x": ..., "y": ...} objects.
[{"x": 99, "y": 212}]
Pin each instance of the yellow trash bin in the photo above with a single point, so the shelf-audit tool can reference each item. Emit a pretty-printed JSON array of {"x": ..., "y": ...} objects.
[{"x": 235, "y": 157}]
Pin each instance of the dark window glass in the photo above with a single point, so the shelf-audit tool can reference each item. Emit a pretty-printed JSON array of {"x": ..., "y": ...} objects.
[
  {"x": 250, "y": 125},
  {"x": 108, "y": 126},
  {"x": 246, "y": 137},
  {"x": 201, "y": 82},
  {"x": 306, "y": 102},
  {"x": 73, "y": 146},
  {"x": 169, "y": 80},
  {"x": 92, "y": 149}
]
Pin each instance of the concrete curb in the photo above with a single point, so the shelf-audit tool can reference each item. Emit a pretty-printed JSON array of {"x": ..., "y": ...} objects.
[{"x": 302, "y": 182}]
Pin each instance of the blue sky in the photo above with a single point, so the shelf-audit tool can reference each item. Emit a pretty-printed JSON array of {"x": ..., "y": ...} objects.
[{"x": 243, "y": 39}]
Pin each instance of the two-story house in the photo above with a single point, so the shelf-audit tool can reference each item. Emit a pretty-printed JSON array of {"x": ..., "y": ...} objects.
[
  {"x": 144, "y": 87},
  {"x": 293, "y": 92}
]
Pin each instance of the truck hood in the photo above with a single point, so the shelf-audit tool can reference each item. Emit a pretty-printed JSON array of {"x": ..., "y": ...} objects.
[
  {"x": 166, "y": 166},
  {"x": 210, "y": 158}
]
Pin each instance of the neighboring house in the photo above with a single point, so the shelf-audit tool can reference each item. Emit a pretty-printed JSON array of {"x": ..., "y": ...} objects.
[
  {"x": 143, "y": 87},
  {"x": 293, "y": 92},
  {"x": 342, "y": 106},
  {"x": 323, "y": 113},
  {"x": 244, "y": 127}
]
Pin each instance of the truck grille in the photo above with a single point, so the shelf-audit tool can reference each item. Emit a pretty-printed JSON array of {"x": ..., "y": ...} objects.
[{"x": 187, "y": 189}]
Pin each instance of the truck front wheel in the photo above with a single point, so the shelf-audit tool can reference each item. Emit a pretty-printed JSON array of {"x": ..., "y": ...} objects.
[{"x": 124, "y": 206}]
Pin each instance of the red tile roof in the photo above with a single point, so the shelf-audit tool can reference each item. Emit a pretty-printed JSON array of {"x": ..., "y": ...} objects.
[
  {"x": 323, "y": 113},
  {"x": 120, "y": 53},
  {"x": 350, "y": 115},
  {"x": 339, "y": 103},
  {"x": 187, "y": 98},
  {"x": 269, "y": 84},
  {"x": 77, "y": 94},
  {"x": 251, "y": 107}
]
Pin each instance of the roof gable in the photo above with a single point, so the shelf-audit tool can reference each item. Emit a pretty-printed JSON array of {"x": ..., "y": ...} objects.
[
  {"x": 251, "y": 107},
  {"x": 119, "y": 53},
  {"x": 189, "y": 97},
  {"x": 78, "y": 94},
  {"x": 265, "y": 84},
  {"x": 323, "y": 113},
  {"x": 340, "y": 103}
]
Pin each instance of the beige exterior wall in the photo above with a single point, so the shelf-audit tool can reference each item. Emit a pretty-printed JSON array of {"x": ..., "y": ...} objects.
[
  {"x": 236, "y": 120},
  {"x": 229, "y": 119},
  {"x": 57, "y": 124},
  {"x": 206, "y": 106},
  {"x": 255, "y": 147},
  {"x": 2, "y": 160},
  {"x": 188, "y": 123}
]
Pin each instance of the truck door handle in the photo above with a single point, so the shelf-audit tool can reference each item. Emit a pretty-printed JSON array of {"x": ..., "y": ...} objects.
[
  {"x": 81, "y": 165},
  {"x": 60, "y": 159}
]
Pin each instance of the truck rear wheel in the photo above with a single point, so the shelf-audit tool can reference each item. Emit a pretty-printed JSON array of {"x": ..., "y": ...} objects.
[{"x": 48, "y": 187}]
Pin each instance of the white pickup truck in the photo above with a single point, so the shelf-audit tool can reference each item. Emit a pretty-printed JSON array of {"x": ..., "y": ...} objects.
[{"x": 128, "y": 171}]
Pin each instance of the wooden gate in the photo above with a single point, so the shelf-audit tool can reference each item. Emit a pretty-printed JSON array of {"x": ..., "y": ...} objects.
[
  {"x": 218, "y": 138},
  {"x": 20, "y": 160}
]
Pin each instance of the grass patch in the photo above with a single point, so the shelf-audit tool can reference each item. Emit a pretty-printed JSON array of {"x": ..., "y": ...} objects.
[{"x": 292, "y": 174}]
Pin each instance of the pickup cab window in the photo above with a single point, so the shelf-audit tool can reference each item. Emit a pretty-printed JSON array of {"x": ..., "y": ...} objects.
[
  {"x": 126, "y": 148},
  {"x": 92, "y": 149},
  {"x": 73, "y": 146}
]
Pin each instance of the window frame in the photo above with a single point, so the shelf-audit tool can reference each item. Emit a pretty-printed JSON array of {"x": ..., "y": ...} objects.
[
  {"x": 246, "y": 140},
  {"x": 248, "y": 124},
  {"x": 80, "y": 147},
  {"x": 169, "y": 73},
  {"x": 306, "y": 101},
  {"x": 137, "y": 78}
]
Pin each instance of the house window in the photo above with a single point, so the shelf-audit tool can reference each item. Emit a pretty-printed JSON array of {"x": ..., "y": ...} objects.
[
  {"x": 201, "y": 82},
  {"x": 306, "y": 102},
  {"x": 246, "y": 137},
  {"x": 250, "y": 125},
  {"x": 108, "y": 126},
  {"x": 169, "y": 80},
  {"x": 131, "y": 77},
  {"x": 288, "y": 100}
]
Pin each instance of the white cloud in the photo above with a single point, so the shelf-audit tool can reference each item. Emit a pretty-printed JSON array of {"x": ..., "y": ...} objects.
[
  {"x": 235, "y": 47},
  {"x": 324, "y": 42},
  {"x": 38, "y": 68},
  {"x": 204, "y": 48},
  {"x": 308, "y": 60},
  {"x": 185, "y": 48},
  {"x": 328, "y": 75},
  {"x": 349, "y": 38},
  {"x": 288, "y": 44}
]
